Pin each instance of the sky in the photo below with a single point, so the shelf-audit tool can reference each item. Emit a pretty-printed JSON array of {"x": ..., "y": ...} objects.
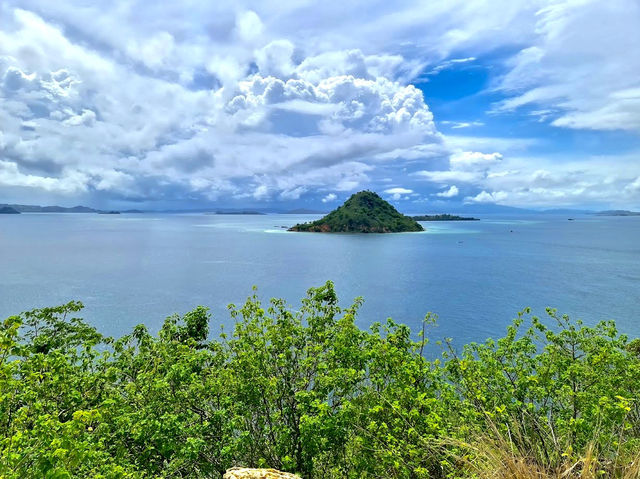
[{"x": 280, "y": 104}]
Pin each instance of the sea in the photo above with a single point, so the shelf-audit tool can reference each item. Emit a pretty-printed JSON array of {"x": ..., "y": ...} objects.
[{"x": 475, "y": 276}]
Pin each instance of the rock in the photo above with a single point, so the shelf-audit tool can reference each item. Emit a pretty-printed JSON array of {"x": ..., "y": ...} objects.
[{"x": 248, "y": 473}]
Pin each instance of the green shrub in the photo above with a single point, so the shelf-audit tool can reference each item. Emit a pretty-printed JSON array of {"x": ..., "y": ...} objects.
[{"x": 308, "y": 391}]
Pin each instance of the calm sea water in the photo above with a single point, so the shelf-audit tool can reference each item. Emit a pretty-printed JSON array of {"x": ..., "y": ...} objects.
[{"x": 130, "y": 269}]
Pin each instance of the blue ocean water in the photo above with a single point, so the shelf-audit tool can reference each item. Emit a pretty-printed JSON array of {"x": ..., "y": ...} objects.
[{"x": 139, "y": 268}]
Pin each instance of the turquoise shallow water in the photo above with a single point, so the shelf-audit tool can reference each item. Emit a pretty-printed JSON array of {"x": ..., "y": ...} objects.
[{"x": 129, "y": 269}]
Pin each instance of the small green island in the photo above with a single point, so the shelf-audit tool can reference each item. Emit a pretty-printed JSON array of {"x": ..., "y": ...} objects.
[
  {"x": 444, "y": 217},
  {"x": 363, "y": 212}
]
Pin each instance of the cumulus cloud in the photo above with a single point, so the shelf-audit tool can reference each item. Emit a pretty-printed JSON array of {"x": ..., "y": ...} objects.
[
  {"x": 485, "y": 197},
  {"x": 465, "y": 166},
  {"x": 73, "y": 182},
  {"x": 275, "y": 102},
  {"x": 450, "y": 193},
  {"x": 77, "y": 113},
  {"x": 330, "y": 198},
  {"x": 87, "y": 117},
  {"x": 398, "y": 192},
  {"x": 275, "y": 59},
  {"x": 474, "y": 160},
  {"x": 539, "y": 181}
]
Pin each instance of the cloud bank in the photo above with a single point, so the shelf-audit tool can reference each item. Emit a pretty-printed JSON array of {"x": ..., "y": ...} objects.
[{"x": 122, "y": 102}]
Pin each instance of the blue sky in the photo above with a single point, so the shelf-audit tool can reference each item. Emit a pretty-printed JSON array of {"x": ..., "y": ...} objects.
[{"x": 281, "y": 104}]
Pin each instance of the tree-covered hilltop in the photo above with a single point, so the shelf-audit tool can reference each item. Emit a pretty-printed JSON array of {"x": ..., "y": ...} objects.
[
  {"x": 444, "y": 217},
  {"x": 363, "y": 212},
  {"x": 305, "y": 390}
]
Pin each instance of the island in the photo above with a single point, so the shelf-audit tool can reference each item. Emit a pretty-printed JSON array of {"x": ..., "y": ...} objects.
[
  {"x": 112, "y": 212},
  {"x": 8, "y": 210},
  {"x": 444, "y": 217},
  {"x": 364, "y": 212},
  {"x": 618, "y": 213},
  {"x": 49, "y": 209},
  {"x": 238, "y": 212},
  {"x": 304, "y": 211}
]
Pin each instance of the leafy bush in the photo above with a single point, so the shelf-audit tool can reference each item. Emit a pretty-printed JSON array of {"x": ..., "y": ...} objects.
[{"x": 308, "y": 391}]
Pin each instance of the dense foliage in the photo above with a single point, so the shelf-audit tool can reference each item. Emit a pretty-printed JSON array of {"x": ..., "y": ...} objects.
[
  {"x": 308, "y": 391},
  {"x": 363, "y": 212}
]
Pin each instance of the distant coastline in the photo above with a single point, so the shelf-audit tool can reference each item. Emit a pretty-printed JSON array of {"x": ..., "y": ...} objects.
[
  {"x": 236, "y": 212},
  {"x": 444, "y": 217},
  {"x": 7, "y": 210},
  {"x": 618, "y": 213}
]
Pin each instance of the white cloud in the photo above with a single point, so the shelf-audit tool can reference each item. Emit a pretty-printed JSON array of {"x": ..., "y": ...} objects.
[
  {"x": 275, "y": 59},
  {"x": 448, "y": 176},
  {"x": 450, "y": 193},
  {"x": 634, "y": 186},
  {"x": 462, "y": 124},
  {"x": 398, "y": 193},
  {"x": 154, "y": 52},
  {"x": 249, "y": 27},
  {"x": 73, "y": 182},
  {"x": 581, "y": 64},
  {"x": 87, "y": 117},
  {"x": 293, "y": 194},
  {"x": 465, "y": 166},
  {"x": 330, "y": 198},
  {"x": 275, "y": 100},
  {"x": 485, "y": 197},
  {"x": 261, "y": 192},
  {"x": 295, "y": 124},
  {"x": 474, "y": 160},
  {"x": 543, "y": 182},
  {"x": 450, "y": 63}
]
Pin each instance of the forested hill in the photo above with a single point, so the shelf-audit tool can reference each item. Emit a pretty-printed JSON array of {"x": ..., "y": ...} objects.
[{"x": 364, "y": 212}]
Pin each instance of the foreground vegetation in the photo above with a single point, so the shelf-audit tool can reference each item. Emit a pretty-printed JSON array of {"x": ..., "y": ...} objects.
[{"x": 308, "y": 391}]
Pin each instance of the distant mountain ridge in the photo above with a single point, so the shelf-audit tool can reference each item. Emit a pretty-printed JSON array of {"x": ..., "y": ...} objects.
[
  {"x": 7, "y": 210},
  {"x": 443, "y": 217},
  {"x": 304, "y": 211},
  {"x": 49, "y": 209},
  {"x": 486, "y": 208},
  {"x": 618, "y": 213}
]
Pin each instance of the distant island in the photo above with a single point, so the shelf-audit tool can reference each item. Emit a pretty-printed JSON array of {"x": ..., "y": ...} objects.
[
  {"x": 364, "y": 212},
  {"x": 238, "y": 212},
  {"x": 304, "y": 211},
  {"x": 444, "y": 217},
  {"x": 618, "y": 213},
  {"x": 62, "y": 209},
  {"x": 8, "y": 210},
  {"x": 51, "y": 209}
]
